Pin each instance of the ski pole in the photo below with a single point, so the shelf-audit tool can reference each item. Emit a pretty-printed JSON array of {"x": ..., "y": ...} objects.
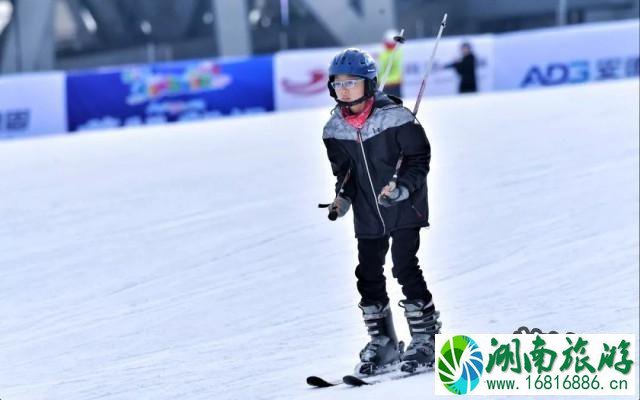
[
  {"x": 394, "y": 179},
  {"x": 423, "y": 85}
]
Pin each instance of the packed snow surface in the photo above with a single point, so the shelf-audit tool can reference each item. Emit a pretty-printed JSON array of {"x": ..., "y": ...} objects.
[{"x": 190, "y": 261}]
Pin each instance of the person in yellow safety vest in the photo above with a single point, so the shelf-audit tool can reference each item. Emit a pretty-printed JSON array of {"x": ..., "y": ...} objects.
[{"x": 393, "y": 84}]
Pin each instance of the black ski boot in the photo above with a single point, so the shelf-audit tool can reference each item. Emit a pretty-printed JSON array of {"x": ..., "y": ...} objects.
[
  {"x": 423, "y": 325},
  {"x": 383, "y": 351}
]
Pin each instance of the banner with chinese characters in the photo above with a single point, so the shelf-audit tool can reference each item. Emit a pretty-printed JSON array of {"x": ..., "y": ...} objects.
[
  {"x": 536, "y": 364},
  {"x": 169, "y": 92},
  {"x": 576, "y": 54},
  {"x": 32, "y": 104}
]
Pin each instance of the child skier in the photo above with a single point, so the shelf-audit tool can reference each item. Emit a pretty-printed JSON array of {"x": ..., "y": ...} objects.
[{"x": 380, "y": 156}]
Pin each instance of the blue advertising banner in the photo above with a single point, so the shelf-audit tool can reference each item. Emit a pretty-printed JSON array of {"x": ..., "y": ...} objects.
[{"x": 169, "y": 92}]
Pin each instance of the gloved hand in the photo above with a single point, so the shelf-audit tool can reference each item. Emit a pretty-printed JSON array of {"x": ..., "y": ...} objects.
[
  {"x": 339, "y": 207},
  {"x": 392, "y": 194}
]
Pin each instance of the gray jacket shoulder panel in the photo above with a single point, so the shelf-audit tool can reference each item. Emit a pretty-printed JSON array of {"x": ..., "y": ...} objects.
[
  {"x": 380, "y": 120},
  {"x": 337, "y": 128},
  {"x": 385, "y": 118}
]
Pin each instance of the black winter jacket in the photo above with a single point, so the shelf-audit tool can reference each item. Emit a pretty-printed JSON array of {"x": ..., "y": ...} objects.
[
  {"x": 371, "y": 155},
  {"x": 466, "y": 69}
]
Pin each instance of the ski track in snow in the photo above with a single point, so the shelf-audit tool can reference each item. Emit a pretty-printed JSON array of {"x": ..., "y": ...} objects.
[{"x": 190, "y": 261}]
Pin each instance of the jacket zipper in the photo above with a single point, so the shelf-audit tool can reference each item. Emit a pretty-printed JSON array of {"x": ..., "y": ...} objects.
[{"x": 375, "y": 199}]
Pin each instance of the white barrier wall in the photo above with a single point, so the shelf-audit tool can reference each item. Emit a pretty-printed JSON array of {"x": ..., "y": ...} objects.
[
  {"x": 300, "y": 76},
  {"x": 521, "y": 60},
  {"x": 32, "y": 104},
  {"x": 568, "y": 55},
  {"x": 416, "y": 54}
]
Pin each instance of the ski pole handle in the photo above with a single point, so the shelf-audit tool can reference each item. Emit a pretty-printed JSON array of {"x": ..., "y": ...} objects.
[
  {"x": 394, "y": 179},
  {"x": 333, "y": 214}
]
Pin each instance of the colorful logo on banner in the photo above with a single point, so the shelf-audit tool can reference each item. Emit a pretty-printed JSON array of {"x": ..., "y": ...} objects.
[
  {"x": 147, "y": 85},
  {"x": 460, "y": 366}
]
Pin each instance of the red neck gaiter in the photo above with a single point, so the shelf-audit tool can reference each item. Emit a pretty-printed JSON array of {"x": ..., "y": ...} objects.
[{"x": 358, "y": 120}]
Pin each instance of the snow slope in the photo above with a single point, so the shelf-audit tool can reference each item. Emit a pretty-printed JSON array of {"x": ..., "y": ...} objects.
[{"x": 190, "y": 261}]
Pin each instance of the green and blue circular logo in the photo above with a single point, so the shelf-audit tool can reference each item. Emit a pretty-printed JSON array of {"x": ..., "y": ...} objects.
[{"x": 460, "y": 364}]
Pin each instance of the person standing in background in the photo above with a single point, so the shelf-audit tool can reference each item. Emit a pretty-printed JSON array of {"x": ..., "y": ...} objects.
[
  {"x": 466, "y": 69},
  {"x": 393, "y": 85}
]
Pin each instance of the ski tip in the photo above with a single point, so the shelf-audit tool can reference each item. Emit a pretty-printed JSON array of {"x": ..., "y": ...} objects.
[
  {"x": 316, "y": 381},
  {"x": 353, "y": 380}
]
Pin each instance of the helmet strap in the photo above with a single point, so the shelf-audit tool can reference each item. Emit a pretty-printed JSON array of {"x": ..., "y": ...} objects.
[{"x": 352, "y": 103}]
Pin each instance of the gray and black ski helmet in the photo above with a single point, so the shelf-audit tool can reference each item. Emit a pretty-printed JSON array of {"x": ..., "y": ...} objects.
[{"x": 354, "y": 62}]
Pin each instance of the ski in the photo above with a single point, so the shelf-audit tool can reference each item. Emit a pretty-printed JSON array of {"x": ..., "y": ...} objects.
[
  {"x": 353, "y": 380},
  {"x": 318, "y": 382}
]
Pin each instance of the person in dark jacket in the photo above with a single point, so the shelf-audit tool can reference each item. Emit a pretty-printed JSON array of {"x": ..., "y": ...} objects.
[
  {"x": 466, "y": 69},
  {"x": 380, "y": 155}
]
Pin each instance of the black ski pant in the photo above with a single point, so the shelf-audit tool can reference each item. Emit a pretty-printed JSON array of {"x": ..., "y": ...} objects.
[{"x": 370, "y": 272}]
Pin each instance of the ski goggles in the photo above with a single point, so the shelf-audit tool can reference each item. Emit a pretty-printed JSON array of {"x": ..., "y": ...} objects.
[{"x": 348, "y": 84}]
